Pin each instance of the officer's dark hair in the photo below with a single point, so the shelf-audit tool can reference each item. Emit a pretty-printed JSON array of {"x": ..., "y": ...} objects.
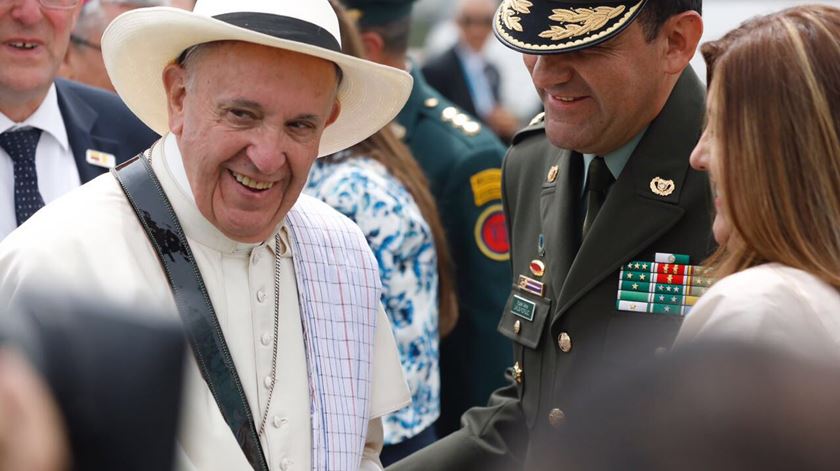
[
  {"x": 657, "y": 12},
  {"x": 394, "y": 35}
]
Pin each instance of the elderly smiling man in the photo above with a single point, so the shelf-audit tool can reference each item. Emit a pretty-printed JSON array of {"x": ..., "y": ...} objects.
[{"x": 294, "y": 361}]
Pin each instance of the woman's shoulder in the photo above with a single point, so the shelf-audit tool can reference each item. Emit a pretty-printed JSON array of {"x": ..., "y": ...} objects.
[{"x": 769, "y": 299}]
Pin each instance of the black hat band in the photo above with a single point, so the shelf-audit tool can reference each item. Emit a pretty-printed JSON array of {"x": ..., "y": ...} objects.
[{"x": 283, "y": 27}]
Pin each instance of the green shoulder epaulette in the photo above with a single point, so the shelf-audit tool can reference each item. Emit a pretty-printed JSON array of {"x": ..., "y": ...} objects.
[
  {"x": 455, "y": 117},
  {"x": 536, "y": 125}
]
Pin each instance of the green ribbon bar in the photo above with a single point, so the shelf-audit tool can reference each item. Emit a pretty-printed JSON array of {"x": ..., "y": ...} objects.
[
  {"x": 660, "y": 288},
  {"x": 652, "y": 308},
  {"x": 650, "y": 297}
]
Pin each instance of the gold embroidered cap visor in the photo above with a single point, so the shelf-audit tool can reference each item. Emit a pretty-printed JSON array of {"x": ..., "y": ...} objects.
[{"x": 553, "y": 26}]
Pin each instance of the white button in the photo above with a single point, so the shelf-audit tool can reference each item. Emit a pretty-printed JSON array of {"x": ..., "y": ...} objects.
[
  {"x": 261, "y": 295},
  {"x": 279, "y": 421},
  {"x": 266, "y": 339},
  {"x": 267, "y": 382},
  {"x": 285, "y": 463}
]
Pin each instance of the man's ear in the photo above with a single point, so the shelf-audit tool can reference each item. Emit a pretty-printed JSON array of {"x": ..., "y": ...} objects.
[
  {"x": 374, "y": 46},
  {"x": 681, "y": 34},
  {"x": 336, "y": 111},
  {"x": 175, "y": 84}
]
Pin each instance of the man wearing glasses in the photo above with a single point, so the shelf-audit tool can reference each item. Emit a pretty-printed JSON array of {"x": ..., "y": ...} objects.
[
  {"x": 83, "y": 61},
  {"x": 54, "y": 134}
]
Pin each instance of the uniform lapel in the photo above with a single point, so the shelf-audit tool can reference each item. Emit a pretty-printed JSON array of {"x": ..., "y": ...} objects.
[
  {"x": 558, "y": 203},
  {"x": 79, "y": 118},
  {"x": 633, "y": 217}
]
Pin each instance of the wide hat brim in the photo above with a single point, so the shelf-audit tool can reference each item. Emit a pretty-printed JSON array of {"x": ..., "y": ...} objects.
[
  {"x": 553, "y": 27},
  {"x": 139, "y": 44}
]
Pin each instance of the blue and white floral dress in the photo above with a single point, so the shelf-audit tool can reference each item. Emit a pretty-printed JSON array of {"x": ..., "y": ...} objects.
[{"x": 363, "y": 190}]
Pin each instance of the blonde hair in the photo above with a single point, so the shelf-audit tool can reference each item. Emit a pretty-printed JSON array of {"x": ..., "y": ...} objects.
[{"x": 775, "y": 91}]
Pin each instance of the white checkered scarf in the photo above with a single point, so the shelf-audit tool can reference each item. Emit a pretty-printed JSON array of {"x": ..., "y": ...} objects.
[{"x": 339, "y": 290}]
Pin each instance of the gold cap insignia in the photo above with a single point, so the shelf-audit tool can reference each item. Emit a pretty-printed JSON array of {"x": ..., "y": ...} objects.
[{"x": 662, "y": 187}]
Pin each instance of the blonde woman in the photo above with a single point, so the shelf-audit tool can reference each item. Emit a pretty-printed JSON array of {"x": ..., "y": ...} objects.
[{"x": 772, "y": 149}]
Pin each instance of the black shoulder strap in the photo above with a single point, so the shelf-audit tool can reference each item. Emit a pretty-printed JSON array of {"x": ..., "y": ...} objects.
[{"x": 155, "y": 213}]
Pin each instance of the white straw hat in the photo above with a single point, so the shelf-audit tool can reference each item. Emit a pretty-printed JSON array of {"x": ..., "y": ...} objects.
[{"x": 140, "y": 43}]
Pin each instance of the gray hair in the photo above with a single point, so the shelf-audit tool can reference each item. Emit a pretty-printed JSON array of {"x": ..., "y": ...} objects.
[{"x": 92, "y": 19}]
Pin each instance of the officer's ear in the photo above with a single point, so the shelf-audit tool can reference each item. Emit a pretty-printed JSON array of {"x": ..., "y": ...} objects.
[
  {"x": 374, "y": 45},
  {"x": 680, "y": 35}
]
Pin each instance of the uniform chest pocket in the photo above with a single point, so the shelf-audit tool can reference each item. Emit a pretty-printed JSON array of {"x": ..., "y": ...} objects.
[{"x": 524, "y": 317}]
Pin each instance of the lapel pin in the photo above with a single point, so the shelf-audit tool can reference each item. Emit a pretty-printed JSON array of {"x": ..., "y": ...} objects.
[
  {"x": 530, "y": 285},
  {"x": 100, "y": 159},
  {"x": 662, "y": 187},
  {"x": 552, "y": 173},
  {"x": 537, "y": 268}
]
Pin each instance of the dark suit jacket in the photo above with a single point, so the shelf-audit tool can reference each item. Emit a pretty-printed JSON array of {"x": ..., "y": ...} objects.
[
  {"x": 98, "y": 120},
  {"x": 520, "y": 426},
  {"x": 446, "y": 74}
]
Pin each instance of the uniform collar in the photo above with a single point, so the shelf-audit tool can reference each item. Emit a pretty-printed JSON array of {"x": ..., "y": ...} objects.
[{"x": 615, "y": 160}]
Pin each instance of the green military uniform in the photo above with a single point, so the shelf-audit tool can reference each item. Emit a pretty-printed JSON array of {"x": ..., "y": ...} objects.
[
  {"x": 462, "y": 161},
  {"x": 566, "y": 327}
]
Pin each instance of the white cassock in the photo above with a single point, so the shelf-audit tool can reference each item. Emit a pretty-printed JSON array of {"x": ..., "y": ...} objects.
[{"x": 91, "y": 242}]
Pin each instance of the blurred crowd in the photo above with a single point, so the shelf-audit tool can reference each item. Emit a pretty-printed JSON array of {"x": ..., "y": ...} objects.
[{"x": 336, "y": 235}]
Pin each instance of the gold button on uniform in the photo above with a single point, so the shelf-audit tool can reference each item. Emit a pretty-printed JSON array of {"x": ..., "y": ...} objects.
[
  {"x": 564, "y": 342},
  {"x": 556, "y": 418},
  {"x": 517, "y": 373},
  {"x": 517, "y": 327}
]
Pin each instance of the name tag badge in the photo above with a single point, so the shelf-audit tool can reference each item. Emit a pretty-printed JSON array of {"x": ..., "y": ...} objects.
[
  {"x": 101, "y": 159},
  {"x": 523, "y": 308}
]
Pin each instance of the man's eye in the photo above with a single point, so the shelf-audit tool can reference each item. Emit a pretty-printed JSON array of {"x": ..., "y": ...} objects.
[
  {"x": 240, "y": 115},
  {"x": 302, "y": 125}
]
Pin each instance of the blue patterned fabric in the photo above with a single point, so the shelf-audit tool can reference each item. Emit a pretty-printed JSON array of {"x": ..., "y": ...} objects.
[
  {"x": 363, "y": 190},
  {"x": 21, "y": 145}
]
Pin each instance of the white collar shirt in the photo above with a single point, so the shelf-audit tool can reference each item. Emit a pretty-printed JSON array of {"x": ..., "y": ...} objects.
[{"x": 54, "y": 162}]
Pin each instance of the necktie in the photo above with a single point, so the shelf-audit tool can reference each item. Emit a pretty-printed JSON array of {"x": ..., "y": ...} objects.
[
  {"x": 598, "y": 184},
  {"x": 20, "y": 144}
]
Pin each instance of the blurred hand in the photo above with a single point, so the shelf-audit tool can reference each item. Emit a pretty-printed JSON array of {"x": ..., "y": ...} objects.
[
  {"x": 32, "y": 435},
  {"x": 503, "y": 123}
]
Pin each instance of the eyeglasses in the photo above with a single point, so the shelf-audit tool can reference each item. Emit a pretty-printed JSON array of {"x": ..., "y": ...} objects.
[
  {"x": 52, "y": 4},
  {"x": 479, "y": 21},
  {"x": 84, "y": 42}
]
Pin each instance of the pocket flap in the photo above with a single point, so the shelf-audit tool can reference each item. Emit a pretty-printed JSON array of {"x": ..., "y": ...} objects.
[{"x": 524, "y": 317}]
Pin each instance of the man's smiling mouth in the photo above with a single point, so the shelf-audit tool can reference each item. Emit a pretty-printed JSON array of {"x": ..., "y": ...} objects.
[{"x": 249, "y": 183}]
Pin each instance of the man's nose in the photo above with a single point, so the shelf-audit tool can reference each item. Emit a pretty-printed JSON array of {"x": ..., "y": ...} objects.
[
  {"x": 551, "y": 70},
  {"x": 267, "y": 151},
  {"x": 25, "y": 11}
]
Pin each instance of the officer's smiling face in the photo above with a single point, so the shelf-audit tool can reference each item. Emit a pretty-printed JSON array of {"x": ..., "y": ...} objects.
[
  {"x": 249, "y": 121},
  {"x": 599, "y": 98}
]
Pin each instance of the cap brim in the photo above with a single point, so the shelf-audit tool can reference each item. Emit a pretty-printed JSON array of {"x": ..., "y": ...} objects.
[{"x": 140, "y": 43}]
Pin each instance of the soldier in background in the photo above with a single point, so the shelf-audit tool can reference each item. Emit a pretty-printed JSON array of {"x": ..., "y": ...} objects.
[{"x": 462, "y": 161}]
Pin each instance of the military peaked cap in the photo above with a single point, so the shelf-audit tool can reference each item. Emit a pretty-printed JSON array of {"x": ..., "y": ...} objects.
[{"x": 555, "y": 26}]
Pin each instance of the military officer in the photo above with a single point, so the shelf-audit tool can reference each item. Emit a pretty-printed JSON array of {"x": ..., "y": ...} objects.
[
  {"x": 462, "y": 161},
  {"x": 596, "y": 191}
]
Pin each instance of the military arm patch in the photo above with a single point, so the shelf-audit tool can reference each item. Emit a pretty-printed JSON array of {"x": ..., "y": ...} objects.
[
  {"x": 491, "y": 234},
  {"x": 486, "y": 186}
]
